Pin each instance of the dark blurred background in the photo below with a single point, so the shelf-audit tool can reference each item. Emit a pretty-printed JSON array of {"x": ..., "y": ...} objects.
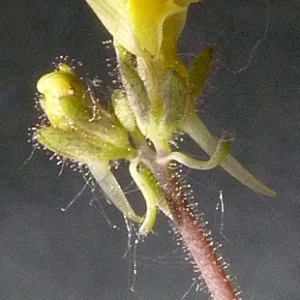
[{"x": 253, "y": 94}]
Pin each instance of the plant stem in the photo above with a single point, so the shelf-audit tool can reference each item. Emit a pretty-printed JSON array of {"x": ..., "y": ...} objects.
[
  {"x": 192, "y": 232},
  {"x": 198, "y": 243}
]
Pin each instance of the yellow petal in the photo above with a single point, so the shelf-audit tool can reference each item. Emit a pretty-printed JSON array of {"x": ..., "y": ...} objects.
[
  {"x": 114, "y": 16},
  {"x": 147, "y": 19}
]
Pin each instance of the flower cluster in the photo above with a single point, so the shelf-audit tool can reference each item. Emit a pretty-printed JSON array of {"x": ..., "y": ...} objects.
[{"x": 156, "y": 102}]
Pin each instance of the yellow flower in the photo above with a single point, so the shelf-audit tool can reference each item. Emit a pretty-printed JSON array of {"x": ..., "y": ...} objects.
[{"x": 143, "y": 27}]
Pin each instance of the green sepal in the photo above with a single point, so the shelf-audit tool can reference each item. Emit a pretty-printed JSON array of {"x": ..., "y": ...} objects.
[
  {"x": 77, "y": 146},
  {"x": 102, "y": 126},
  {"x": 196, "y": 129},
  {"x": 112, "y": 189},
  {"x": 134, "y": 86},
  {"x": 123, "y": 111},
  {"x": 174, "y": 97},
  {"x": 198, "y": 72},
  {"x": 222, "y": 150},
  {"x": 140, "y": 176},
  {"x": 96, "y": 156},
  {"x": 152, "y": 193},
  {"x": 168, "y": 112}
]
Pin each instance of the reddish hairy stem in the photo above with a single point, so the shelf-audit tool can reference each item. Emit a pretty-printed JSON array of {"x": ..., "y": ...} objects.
[
  {"x": 193, "y": 234},
  {"x": 195, "y": 238}
]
